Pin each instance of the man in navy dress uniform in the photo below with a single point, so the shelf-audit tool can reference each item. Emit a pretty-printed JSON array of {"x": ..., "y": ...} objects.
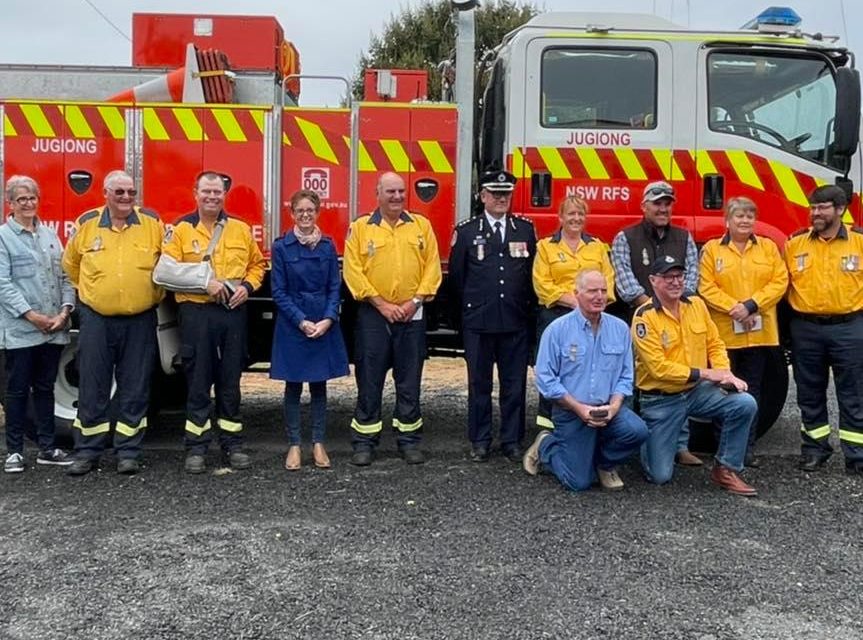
[{"x": 490, "y": 270}]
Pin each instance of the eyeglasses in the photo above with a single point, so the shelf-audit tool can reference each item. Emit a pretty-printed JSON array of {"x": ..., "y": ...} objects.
[
  {"x": 121, "y": 192},
  {"x": 823, "y": 206},
  {"x": 500, "y": 195},
  {"x": 304, "y": 212},
  {"x": 672, "y": 277},
  {"x": 26, "y": 199}
]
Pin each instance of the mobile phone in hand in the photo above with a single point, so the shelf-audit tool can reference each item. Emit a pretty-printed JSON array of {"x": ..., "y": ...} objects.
[{"x": 598, "y": 413}]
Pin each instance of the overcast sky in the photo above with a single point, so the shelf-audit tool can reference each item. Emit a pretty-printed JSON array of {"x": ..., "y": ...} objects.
[{"x": 331, "y": 34}]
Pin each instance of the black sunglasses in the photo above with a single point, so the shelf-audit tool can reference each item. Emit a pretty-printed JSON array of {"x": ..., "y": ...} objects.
[
  {"x": 120, "y": 192},
  {"x": 660, "y": 191}
]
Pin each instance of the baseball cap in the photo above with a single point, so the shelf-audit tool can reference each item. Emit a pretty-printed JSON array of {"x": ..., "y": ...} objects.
[
  {"x": 657, "y": 191},
  {"x": 663, "y": 264},
  {"x": 499, "y": 181}
]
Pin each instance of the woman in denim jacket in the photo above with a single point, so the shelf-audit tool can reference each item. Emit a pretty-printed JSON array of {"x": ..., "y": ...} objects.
[{"x": 36, "y": 299}]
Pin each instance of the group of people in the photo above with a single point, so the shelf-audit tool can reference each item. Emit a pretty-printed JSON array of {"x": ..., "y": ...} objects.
[{"x": 696, "y": 345}]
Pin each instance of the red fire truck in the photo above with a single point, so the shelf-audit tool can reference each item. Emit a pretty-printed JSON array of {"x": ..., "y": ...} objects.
[{"x": 589, "y": 104}]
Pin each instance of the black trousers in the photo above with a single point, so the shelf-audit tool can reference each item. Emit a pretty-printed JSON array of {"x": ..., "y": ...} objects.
[
  {"x": 120, "y": 348},
  {"x": 748, "y": 364},
  {"x": 818, "y": 348},
  {"x": 214, "y": 353},
  {"x": 381, "y": 346},
  {"x": 547, "y": 315},
  {"x": 509, "y": 351}
]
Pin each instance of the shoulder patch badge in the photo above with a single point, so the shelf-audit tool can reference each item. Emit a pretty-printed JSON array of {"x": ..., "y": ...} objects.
[
  {"x": 169, "y": 233},
  {"x": 641, "y": 330}
]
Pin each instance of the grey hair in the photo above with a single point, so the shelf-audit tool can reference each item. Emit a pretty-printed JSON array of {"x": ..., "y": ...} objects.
[
  {"x": 739, "y": 204},
  {"x": 20, "y": 182},
  {"x": 582, "y": 276},
  {"x": 115, "y": 175}
]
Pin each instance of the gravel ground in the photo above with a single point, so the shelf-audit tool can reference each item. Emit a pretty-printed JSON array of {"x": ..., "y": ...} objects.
[{"x": 449, "y": 549}]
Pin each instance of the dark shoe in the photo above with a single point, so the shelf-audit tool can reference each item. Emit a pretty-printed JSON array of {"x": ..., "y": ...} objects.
[
  {"x": 14, "y": 463},
  {"x": 728, "y": 480},
  {"x": 749, "y": 460},
  {"x": 514, "y": 454},
  {"x": 239, "y": 460},
  {"x": 128, "y": 466},
  {"x": 479, "y": 454},
  {"x": 413, "y": 455},
  {"x": 530, "y": 461},
  {"x": 81, "y": 467},
  {"x": 854, "y": 467},
  {"x": 810, "y": 462},
  {"x": 687, "y": 459},
  {"x": 54, "y": 456},
  {"x": 361, "y": 458},
  {"x": 195, "y": 463}
]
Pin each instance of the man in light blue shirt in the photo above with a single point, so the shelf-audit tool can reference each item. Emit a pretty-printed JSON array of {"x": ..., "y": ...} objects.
[{"x": 584, "y": 366}]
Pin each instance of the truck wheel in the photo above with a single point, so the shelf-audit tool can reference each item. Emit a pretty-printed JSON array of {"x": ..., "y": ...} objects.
[
  {"x": 66, "y": 391},
  {"x": 774, "y": 391}
]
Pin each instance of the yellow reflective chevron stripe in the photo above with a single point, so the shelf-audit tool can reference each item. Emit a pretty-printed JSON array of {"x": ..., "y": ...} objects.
[
  {"x": 553, "y": 160},
  {"x": 367, "y": 429},
  {"x": 590, "y": 159},
  {"x": 190, "y": 124},
  {"x": 78, "y": 125},
  {"x": 228, "y": 124},
  {"x": 519, "y": 166},
  {"x": 96, "y": 430},
  {"x": 314, "y": 135},
  {"x": 230, "y": 426},
  {"x": 667, "y": 164},
  {"x": 397, "y": 155},
  {"x": 407, "y": 427},
  {"x": 631, "y": 166},
  {"x": 703, "y": 162},
  {"x": 195, "y": 430},
  {"x": 153, "y": 126},
  {"x": 435, "y": 156},
  {"x": 8, "y": 128},
  {"x": 37, "y": 121},
  {"x": 744, "y": 169},
  {"x": 258, "y": 117},
  {"x": 847, "y": 218},
  {"x": 365, "y": 160},
  {"x": 854, "y": 437},
  {"x": 114, "y": 121},
  {"x": 544, "y": 423},
  {"x": 817, "y": 433},
  {"x": 788, "y": 181},
  {"x": 131, "y": 432}
]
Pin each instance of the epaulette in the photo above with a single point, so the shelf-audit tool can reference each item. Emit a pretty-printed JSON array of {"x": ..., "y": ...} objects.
[
  {"x": 148, "y": 212},
  {"x": 88, "y": 215},
  {"x": 587, "y": 237},
  {"x": 522, "y": 219},
  {"x": 464, "y": 223},
  {"x": 857, "y": 229},
  {"x": 647, "y": 306},
  {"x": 799, "y": 232}
]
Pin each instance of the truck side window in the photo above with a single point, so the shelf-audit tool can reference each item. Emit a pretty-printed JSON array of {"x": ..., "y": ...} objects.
[
  {"x": 782, "y": 101},
  {"x": 598, "y": 88}
]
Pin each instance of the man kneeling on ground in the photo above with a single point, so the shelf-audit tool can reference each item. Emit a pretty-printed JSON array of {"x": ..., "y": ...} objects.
[
  {"x": 584, "y": 366},
  {"x": 683, "y": 371}
]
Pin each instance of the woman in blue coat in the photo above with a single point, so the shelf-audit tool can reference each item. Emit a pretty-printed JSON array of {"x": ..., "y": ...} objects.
[{"x": 308, "y": 344}]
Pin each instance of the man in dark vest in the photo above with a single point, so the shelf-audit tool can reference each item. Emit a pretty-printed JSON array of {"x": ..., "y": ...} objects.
[{"x": 635, "y": 249}]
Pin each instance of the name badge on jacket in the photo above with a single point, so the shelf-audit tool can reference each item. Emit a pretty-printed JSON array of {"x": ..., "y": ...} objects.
[
  {"x": 518, "y": 249},
  {"x": 479, "y": 241}
]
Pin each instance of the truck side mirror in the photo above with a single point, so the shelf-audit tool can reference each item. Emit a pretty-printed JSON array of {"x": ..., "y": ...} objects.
[{"x": 846, "y": 126}]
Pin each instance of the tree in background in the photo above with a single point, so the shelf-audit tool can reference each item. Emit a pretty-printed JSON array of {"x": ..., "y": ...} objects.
[{"x": 424, "y": 36}]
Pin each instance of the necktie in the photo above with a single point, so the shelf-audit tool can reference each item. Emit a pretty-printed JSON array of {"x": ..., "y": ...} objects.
[{"x": 498, "y": 232}]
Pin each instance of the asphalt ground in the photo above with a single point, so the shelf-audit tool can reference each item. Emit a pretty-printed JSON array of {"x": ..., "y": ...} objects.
[{"x": 449, "y": 549}]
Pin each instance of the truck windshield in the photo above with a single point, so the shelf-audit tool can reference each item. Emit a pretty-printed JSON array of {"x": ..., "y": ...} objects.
[{"x": 783, "y": 101}]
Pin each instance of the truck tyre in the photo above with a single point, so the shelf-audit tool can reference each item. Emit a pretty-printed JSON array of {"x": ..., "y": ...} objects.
[
  {"x": 774, "y": 391},
  {"x": 66, "y": 391}
]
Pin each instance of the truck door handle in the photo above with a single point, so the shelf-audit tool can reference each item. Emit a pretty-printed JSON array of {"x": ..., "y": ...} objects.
[
  {"x": 540, "y": 189},
  {"x": 714, "y": 191}
]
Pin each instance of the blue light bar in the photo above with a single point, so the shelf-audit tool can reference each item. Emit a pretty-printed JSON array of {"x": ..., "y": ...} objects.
[{"x": 785, "y": 16}]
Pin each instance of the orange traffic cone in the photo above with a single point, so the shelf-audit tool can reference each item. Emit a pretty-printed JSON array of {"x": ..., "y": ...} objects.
[{"x": 180, "y": 85}]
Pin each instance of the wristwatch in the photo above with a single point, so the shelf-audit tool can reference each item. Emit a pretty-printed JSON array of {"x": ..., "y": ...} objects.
[{"x": 418, "y": 302}]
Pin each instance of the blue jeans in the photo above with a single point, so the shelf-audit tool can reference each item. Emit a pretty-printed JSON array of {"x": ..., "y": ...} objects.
[
  {"x": 293, "y": 391},
  {"x": 31, "y": 372},
  {"x": 666, "y": 415},
  {"x": 574, "y": 450}
]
